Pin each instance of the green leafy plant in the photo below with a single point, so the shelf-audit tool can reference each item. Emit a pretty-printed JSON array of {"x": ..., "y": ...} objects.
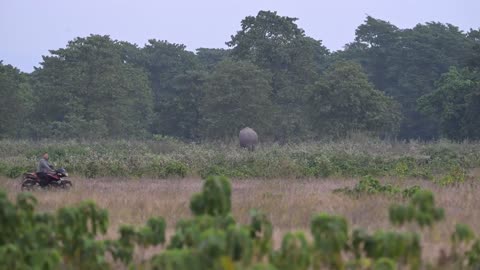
[
  {"x": 369, "y": 185},
  {"x": 293, "y": 254},
  {"x": 330, "y": 234},
  {"x": 421, "y": 209},
  {"x": 455, "y": 176},
  {"x": 403, "y": 248},
  {"x": 214, "y": 199}
]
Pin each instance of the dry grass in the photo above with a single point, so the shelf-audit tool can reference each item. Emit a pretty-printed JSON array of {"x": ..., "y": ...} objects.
[{"x": 290, "y": 203}]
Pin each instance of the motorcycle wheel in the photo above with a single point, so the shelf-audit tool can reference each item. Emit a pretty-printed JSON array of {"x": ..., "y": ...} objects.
[
  {"x": 66, "y": 185},
  {"x": 28, "y": 184}
]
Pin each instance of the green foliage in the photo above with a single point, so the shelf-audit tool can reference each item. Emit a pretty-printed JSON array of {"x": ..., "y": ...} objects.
[
  {"x": 175, "y": 168},
  {"x": 294, "y": 253},
  {"x": 262, "y": 267},
  {"x": 214, "y": 199},
  {"x": 213, "y": 245},
  {"x": 406, "y": 63},
  {"x": 15, "y": 171},
  {"x": 21, "y": 227},
  {"x": 166, "y": 157},
  {"x": 276, "y": 43},
  {"x": 212, "y": 235},
  {"x": 344, "y": 85},
  {"x": 473, "y": 255},
  {"x": 209, "y": 58},
  {"x": 369, "y": 185},
  {"x": 31, "y": 240},
  {"x": 16, "y": 101},
  {"x": 176, "y": 85},
  {"x": 456, "y": 175},
  {"x": 177, "y": 260},
  {"x": 261, "y": 230},
  {"x": 463, "y": 254},
  {"x": 239, "y": 244},
  {"x": 77, "y": 229},
  {"x": 179, "y": 113},
  {"x": 421, "y": 209},
  {"x": 122, "y": 248},
  {"x": 263, "y": 37},
  {"x": 410, "y": 191},
  {"x": 188, "y": 232},
  {"x": 236, "y": 95},
  {"x": 420, "y": 82},
  {"x": 403, "y": 248},
  {"x": 92, "y": 91},
  {"x": 385, "y": 264},
  {"x": 455, "y": 102},
  {"x": 463, "y": 233},
  {"x": 330, "y": 234}
]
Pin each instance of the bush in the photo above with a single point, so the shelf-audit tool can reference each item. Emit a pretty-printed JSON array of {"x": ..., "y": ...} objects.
[
  {"x": 369, "y": 185},
  {"x": 455, "y": 176},
  {"x": 175, "y": 168}
]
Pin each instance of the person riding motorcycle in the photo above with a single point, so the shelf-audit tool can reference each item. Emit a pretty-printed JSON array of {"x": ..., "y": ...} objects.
[{"x": 44, "y": 169}]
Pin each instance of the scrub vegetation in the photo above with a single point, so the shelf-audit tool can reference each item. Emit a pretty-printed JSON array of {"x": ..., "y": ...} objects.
[
  {"x": 243, "y": 224},
  {"x": 443, "y": 161}
]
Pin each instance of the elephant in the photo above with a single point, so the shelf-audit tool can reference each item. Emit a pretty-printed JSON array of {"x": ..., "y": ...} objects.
[{"x": 248, "y": 138}]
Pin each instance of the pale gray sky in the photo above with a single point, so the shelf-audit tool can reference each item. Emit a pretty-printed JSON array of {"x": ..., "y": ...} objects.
[{"x": 29, "y": 28}]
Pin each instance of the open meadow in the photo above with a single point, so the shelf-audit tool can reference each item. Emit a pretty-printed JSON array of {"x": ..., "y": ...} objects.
[
  {"x": 290, "y": 203},
  {"x": 318, "y": 178}
]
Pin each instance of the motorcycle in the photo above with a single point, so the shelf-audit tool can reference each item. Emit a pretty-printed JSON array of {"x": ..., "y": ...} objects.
[{"x": 57, "y": 180}]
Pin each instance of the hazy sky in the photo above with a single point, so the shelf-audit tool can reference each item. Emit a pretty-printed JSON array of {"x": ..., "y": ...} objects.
[{"x": 29, "y": 28}]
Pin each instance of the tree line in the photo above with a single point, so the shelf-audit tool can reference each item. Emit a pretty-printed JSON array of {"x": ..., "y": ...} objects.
[{"x": 422, "y": 82}]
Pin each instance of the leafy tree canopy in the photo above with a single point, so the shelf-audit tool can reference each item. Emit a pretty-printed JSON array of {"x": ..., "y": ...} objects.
[
  {"x": 15, "y": 102},
  {"x": 237, "y": 94},
  {"x": 456, "y": 102},
  {"x": 88, "y": 90},
  {"x": 343, "y": 100}
]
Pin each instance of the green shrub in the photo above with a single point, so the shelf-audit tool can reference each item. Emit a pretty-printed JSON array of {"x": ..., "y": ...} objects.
[
  {"x": 261, "y": 230},
  {"x": 177, "y": 260},
  {"x": 320, "y": 166},
  {"x": 330, "y": 234},
  {"x": 455, "y": 176},
  {"x": 15, "y": 171},
  {"x": 175, "y": 168},
  {"x": 239, "y": 244},
  {"x": 293, "y": 254},
  {"x": 385, "y": 264},
  {"x": 214, "y": 199},
  {"x": 369, "y": 185},
  {"x": 421, "y": 209},
  {"x": 473, "y": 255}
]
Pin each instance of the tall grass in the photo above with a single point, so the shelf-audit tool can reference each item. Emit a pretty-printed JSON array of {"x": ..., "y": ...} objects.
[
  {"x": 167, "y": 157},
  {"x": 289, "y": 204}
]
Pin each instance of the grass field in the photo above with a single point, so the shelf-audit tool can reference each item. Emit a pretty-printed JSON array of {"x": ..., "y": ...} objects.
[
  {"x": 137, "y": 180},
  {"x": 290, "y": 203}
]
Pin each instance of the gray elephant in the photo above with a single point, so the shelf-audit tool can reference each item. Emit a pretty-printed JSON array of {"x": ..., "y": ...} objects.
[{"x": 248, "y": 138}]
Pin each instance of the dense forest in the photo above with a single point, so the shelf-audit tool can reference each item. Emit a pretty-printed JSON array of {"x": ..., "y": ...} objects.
[{"x": 420, "y": 83}]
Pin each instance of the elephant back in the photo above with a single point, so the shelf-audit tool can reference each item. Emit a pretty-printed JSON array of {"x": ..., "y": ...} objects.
[{"x": 248, "y": 138}]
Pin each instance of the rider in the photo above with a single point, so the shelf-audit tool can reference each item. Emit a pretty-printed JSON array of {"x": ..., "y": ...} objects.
[{"x": 44, "y": 168}]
